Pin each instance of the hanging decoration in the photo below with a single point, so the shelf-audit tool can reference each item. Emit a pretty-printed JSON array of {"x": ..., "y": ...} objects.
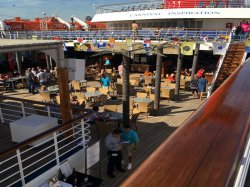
[
  {"x": 247, "y": 46},
  {"x": 146, "y": 44},
  {"x": 111, "y": 43},
  {"x": 219, "y": 48},
  {"x": 101, "y": 45},
  {"x": 187, "y": 48}
]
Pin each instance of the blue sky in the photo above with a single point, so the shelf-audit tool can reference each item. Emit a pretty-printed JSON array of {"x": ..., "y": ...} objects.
[{"x": 30, "y": 9}]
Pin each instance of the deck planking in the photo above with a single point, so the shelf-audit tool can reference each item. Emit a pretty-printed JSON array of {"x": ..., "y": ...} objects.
[{"x": 152, "y": 131}]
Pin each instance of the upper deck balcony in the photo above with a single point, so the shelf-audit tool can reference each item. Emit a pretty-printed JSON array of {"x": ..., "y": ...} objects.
[{"x": 171, "y": 4}]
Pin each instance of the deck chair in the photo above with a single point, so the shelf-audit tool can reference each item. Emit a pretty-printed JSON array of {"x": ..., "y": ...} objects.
[
  {"x": 166, "y": 93},
  {"x": 57, "y": 98},
  {"x": 119, "y": 88},
  {"x": 46, "y": 96},
  {"x": 148, "y": 90},
  {"x": 90, "y": 89},
  {"x": 141, "y": 95},
  {"x": 104, "y": 91},
  {"x": 148, "y": 80},
  {"x": 152, "y": 97},
  {"x": 66, "y": 169},
  {"x": 144, "y": 108},
  {"x": 110, "y": 108}
]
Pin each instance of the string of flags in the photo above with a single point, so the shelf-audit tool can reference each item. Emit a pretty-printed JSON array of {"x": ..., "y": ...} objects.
[
  {"x": 247, "y": 46},
  {"x": 187, "y": 47},
  {"x": 219, "y": 48}
]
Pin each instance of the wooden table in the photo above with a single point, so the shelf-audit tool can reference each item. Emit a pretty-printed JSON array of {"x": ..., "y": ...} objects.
[{"x": 143, "y": 100}]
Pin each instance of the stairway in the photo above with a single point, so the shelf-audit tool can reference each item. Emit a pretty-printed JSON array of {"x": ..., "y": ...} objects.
[{"x": 231, "y": 61}]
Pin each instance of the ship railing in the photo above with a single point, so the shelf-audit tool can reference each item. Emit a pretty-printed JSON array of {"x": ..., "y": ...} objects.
[
  {"x": 31, "y": 158},
  {"x": 164, "y": 34},
  {"x": 212, "y": 148},
  {"x": 221, "y": 60},
  {"x": 173, "y": 4},
  {"x": 12, "y": 109}
]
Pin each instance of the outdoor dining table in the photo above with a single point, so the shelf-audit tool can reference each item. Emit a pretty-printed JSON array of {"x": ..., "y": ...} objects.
[
  {"x": 92, "y": 94},
  {"x": 13, "y": 79},
  {"x": 83, "y": 83},
  {"x": 53, "y": 89},
  {"x": 143, "y": 100}
]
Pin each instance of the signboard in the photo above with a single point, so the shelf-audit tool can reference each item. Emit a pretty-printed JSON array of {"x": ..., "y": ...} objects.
[
  {"x": 174, "y": 14},
  {"x": 93, "y": 154}
]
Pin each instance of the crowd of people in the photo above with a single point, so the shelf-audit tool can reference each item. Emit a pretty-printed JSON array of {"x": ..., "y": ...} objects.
[
  {"x": 120, "y": 143},
  {"x": 241, "y": 30},
  {"x": 38, "y": 77},
  {"x": 199, "y": 84},
  {"x": 119, "y": 139}
]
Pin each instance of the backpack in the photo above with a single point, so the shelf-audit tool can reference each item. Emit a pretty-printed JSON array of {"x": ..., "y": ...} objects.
[
  {"x": 238, "y": 30},
  {"x": 193, "y": 85}
]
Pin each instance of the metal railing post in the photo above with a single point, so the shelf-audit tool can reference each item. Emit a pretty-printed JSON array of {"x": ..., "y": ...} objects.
[
  {"x": 1, "y": 115},
  {"x": 56, "y": 148},
  {"x": 48, "y": 109},
  {"x": 20, "y": 166},
  {"x": 23, "y": 109},
  {"x": 83, "y": 133}
]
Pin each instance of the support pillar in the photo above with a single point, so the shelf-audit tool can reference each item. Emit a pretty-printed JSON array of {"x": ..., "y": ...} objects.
[
  {"x": 19, "y": 69},
  {"x": 195, "y": 60},
  {"x": 125, "y": 87},
  {"x": 158, "y": 78},
  {"x": 65, "y": 104},
  {"x": 178, "y": 74}
]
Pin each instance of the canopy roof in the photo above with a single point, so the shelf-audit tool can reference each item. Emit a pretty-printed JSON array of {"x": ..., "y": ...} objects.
[{"x": 11, "y": 45}]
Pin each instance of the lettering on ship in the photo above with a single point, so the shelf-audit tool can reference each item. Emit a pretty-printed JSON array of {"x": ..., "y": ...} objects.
[{"x": 171, "y": 13}]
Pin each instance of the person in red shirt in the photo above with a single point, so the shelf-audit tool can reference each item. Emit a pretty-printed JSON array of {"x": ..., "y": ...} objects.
[
  {"x": 200, "y": 72},
  {"x": 171, "y": 78}
]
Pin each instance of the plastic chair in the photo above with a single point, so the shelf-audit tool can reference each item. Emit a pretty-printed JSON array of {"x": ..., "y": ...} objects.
[
  {"x": 110, "y": 108},
  {"x": 141, "y": 95}
]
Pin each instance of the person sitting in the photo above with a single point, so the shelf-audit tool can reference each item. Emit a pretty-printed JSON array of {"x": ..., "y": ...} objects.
[
  {"x": 74, "y": 101},
  {"x": 95, "y": 116},
  {"x": 147, "y": 73},
  {"x": 135, "y": 28},
  {"x": 15, "y": 73},
  {"x": 171, "y": 77},
  {"x": 186, "y": 73}
]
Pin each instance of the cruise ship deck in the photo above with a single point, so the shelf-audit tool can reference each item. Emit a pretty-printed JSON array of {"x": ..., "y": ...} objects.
[{"x": 152, "y": 130}]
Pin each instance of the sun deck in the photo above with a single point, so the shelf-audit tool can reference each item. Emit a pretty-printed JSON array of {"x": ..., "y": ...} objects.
[{"x": 152, "y": 130}]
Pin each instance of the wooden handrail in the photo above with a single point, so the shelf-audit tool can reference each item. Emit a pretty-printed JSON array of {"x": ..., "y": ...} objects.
[
  {"x": 45, "y": 133},
  {"x": 41, "y": 135},
  {"x": 207, "y": 149},
  {"x": 36, "y": 102}
]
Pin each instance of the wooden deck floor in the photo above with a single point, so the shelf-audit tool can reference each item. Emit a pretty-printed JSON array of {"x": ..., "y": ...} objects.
[{"x": 152, "y": 132}]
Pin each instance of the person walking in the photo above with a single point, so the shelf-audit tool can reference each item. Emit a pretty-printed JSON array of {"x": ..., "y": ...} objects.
[
  {"x": 105, "y": 81},
  {"x": 194, "y": 86},
  {"x": 130, "y": 139},
  {"x": 113, "y": 145},
  {"x": 135, "y": 28},
  {"x": 202, "y": 85}
]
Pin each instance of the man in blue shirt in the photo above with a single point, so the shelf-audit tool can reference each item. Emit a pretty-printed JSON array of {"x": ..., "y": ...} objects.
[
  {"x": 105, "y": 81},
  {"x": 130, "y": 139}
]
